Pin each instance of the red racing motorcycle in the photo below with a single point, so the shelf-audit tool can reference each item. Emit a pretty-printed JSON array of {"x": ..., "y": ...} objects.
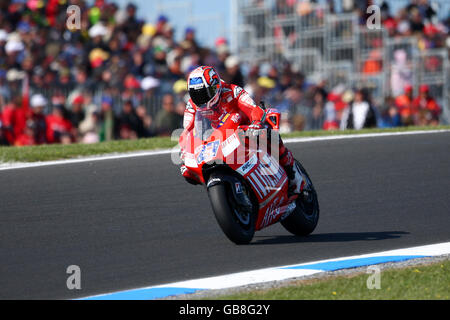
[{"x": 247, "y": 187}]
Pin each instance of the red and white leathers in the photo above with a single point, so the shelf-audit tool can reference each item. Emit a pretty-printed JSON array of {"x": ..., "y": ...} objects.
[{"x": 235, "y": 99}]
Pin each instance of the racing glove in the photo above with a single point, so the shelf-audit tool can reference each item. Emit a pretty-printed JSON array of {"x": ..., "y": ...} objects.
[{"x": 255, "y": 128}]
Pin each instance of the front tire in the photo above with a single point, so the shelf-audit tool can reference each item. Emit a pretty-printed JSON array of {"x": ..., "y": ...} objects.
[
  {"x": 305, "y": 217},
  {"x": 237, "y": 226}
]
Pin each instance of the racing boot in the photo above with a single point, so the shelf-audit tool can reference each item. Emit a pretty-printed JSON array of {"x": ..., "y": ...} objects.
[{"x": 296, "y": 181}]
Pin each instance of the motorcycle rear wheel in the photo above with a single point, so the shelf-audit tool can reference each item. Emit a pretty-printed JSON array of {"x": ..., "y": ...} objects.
[{"x": 305, "y": 217}]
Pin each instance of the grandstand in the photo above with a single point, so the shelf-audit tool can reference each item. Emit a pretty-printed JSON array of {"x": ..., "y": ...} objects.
[{"x": 120, "y": 77}]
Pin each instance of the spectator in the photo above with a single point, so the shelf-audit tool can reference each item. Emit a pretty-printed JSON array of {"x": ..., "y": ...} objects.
[
  {"x": 167, "y": 119},
  {"x": 338, "y": 100},
  {"x": 404, "y": 106},
  {"x": 390, "y": 116},
  {"x": 316, "y": 120},
  {"x": 180, "y": 90},
  {"x": 233, "y": 72},
  {"x": 14, "y": 119},
  {"x": 130, "y": 125},
  {"x": 26, "y": 138},
  {"x": 147, "y": 129},
  {"x": 265, "y": 90},
  {"x": 89, "y": 127},
  {"x": 426, "y": 109},
  {"x": 190, "y": 43},
  {"x": 330, "y": 117},
  {"x": 374, "y": 63},
  {"x": 38, "y": 104},
  {"x": 107, "y": 120},
  {"x": 148, "y": 85},
  {"x": 415, "y": 22},
  {"x": 58, "y": 126},
  {"x": 76, "y": 113},
  {"x": 359, "y": 114}
]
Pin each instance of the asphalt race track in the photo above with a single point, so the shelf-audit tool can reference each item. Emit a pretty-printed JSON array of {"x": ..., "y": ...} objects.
[{"x": 134, "y": 222}]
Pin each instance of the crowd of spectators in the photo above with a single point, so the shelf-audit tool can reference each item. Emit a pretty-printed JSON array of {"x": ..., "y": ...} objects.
[
  {"x": 94, "y": 80},
  {"x": 114, "y": 76},
  {"x": 312, "y": 104}
]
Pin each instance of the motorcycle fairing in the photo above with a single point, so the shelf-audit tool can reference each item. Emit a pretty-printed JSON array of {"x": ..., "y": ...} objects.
[{"x": 264, "y": 175}]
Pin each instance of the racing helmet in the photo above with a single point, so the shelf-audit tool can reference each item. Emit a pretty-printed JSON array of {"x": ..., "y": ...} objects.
[{"x": 204, "y": 87}]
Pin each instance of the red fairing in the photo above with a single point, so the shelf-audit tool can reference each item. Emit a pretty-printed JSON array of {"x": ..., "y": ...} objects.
[{"x": 263, "y": 173}]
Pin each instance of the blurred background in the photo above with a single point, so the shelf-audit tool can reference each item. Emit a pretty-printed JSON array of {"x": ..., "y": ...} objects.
[{"x": 121, "y": 73}]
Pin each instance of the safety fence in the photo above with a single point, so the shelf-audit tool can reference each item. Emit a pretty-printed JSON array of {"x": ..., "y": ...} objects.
[{"x": 335, "y": 47}]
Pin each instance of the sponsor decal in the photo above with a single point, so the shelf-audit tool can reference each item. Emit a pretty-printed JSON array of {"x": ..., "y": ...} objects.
[
  {"x": 266, "y": 178},
  {"x": 189, "y": 160},
  {"x": 236, "y": 118},
  {"x": 272, "y": 212},
  {"x": 269, "y": 175},
  {"x": 270, "y": 167},
  {"x": 222, "y": 119},
  {"x": 246, "y": 167},
  {"x": 257, "y": 185},
  {"x": 229, "y": 145},
  {"x": 236, "y": 91},
  {"x": 238, "y": 187}
]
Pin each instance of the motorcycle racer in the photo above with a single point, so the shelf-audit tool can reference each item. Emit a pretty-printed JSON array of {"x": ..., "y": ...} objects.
[{"x": 212, "y": 97}]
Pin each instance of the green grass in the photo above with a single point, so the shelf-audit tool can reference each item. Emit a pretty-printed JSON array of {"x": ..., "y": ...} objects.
[
  {"x": 319, "y": 133},
  {"x": 55, "y": 152},
  {"x": 425, "y": 282}
]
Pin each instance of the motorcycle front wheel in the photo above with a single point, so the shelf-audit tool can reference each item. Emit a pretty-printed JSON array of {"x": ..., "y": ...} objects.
[{"x": 237, "y": 224}]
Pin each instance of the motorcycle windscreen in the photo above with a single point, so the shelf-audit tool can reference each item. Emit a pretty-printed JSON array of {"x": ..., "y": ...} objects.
[{"x": 203, "y": 128}]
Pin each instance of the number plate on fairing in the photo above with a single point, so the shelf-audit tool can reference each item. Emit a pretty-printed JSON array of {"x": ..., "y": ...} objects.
[{"x": 208, "y": 151}]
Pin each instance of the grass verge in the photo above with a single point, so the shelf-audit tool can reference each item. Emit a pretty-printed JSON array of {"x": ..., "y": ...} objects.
[
  {"x": 423, "y": 282},
  {"x": 56, "y": 152}
]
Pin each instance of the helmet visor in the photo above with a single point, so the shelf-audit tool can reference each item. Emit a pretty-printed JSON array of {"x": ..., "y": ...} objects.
[{"x": 203, "y": 95}]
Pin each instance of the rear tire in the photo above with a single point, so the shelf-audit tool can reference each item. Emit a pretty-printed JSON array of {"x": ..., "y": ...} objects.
[
  {"x": 305, "y": 217},
  {"x": 238, "y": 230}
]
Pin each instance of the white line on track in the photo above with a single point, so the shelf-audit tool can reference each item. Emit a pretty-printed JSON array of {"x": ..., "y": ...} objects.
[{"x": 24, "y": 165}]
